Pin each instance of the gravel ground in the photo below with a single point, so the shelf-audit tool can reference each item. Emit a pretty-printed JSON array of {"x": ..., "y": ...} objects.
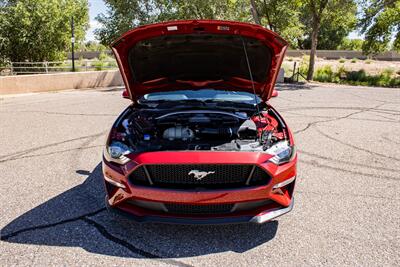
[
  {"x": 371, "y": 67},
  {"x": 347, "y": 209}
]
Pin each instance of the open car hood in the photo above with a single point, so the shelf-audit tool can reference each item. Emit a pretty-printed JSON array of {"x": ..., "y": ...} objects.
[{"x": 198, "y": 54}]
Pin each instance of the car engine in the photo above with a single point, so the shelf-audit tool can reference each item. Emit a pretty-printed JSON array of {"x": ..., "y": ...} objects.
[{"x": 213, "y": 130}]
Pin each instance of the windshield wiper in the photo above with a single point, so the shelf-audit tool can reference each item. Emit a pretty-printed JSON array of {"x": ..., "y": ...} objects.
[
  {"x": 169, "y": 103},
  {"x": 227, "y": 103}
]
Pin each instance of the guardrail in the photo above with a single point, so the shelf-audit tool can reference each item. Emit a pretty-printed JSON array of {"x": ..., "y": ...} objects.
[{"x": 20, "y": 68}]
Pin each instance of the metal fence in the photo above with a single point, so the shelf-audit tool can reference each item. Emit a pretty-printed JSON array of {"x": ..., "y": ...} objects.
[{"x": 21, "y": 68}]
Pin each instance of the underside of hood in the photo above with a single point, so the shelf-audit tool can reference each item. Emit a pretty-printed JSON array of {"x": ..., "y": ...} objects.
[{"x": 199, "y": 54}]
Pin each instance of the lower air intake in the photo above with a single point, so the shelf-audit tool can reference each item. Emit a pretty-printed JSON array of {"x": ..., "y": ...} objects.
[{"x": 199, "y": 209}]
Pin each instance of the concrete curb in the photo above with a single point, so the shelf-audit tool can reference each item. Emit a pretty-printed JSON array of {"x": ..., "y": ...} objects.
[{"x": 59, "y": 81}]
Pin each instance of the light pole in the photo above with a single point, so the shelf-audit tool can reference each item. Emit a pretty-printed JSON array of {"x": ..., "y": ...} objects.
[{"x": 73, "y": 43}]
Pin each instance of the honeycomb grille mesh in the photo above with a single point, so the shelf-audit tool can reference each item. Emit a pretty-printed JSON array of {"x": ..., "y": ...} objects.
[
  {"x": 194, "y": 176},
  {"x": 199, "y": 209}
]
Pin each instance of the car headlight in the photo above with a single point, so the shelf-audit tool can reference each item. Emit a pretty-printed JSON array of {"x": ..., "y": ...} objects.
[
  {"x": 116, "y": 152},
  {"x": 282, "y": 152}
]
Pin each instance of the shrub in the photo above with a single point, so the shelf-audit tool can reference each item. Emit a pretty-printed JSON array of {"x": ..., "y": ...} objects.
[
  {"x": 324, "y": 74},
  {"x": 356, "y": 76},
  {"x": 342, "y": 60},
  {"x": 353, "y": 60},
  {"x": 388, "y": 72},
  {"x": 303, "y": 66},
  {"x": 341, "y": 72},
  {"x": 103, "y": 56},
  {"x": 99, "y": 65},
  {"x": 368, "y": 61},
  {"x": 395, "y": 82},
  {"x": 112, "y": 63},
  {"x": 387, "y": 78}
]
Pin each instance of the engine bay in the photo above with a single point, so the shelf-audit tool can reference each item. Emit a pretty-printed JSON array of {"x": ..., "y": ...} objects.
[{"x": 191, "y": 129}]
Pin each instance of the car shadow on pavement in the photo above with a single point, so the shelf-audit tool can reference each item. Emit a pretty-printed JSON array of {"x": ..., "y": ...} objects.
[{"x": 78, "y": 218}]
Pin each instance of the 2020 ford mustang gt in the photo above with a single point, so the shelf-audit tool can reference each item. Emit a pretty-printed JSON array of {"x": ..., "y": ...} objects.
[{"x": 200, "y": 143}]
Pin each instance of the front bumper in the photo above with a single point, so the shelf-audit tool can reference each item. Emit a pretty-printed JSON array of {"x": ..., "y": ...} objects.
[
  {"x": 261, "y": 218},
  {"x": 281, "y": 201}
]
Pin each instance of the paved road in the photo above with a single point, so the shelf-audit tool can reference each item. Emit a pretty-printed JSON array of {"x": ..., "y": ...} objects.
[{"x": 347, "y": 209}]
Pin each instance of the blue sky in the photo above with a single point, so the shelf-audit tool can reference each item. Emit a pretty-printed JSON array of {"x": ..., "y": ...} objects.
[{"x": 97, "y": 6}]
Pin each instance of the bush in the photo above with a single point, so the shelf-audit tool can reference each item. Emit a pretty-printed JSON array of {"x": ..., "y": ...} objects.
[
  {"x": 341, "y": 73},
  {"x": 103, "y": 56},
  {"x": 368, "y": 61},
  {"x": 325, "y": 74},
  {"x": 353, "y": 60},
  {"x": 112, "y": 64},
  {"x": 351, "y": 44},
  {"x": 356, "y": 76},
  {"x": 388, "y": 72},
  {"x": 342, "y": 60},
  {"x": 303, "y": 66},
  {"x": 99, "y": 65},
  {"x": 387, "y": 78}
]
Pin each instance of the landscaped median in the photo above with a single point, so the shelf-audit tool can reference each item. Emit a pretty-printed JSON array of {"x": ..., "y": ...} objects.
[
  {"x": 387, "y": 78},
  {"x": 346, "y": 71},
  {"x": 59, "y": 81}
]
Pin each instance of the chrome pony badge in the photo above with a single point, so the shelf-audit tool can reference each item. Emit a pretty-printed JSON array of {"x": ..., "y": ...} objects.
[{"x": 198, "y": 175}]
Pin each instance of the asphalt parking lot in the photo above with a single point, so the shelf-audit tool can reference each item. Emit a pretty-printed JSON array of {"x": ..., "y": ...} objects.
[{"x": 347, "y": 208}]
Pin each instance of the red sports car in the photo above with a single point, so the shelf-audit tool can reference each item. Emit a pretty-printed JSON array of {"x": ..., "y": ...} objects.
[{"x": 200, "y": 144}]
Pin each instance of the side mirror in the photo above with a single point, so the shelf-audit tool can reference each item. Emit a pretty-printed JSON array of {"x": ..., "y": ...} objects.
[
  {"x": 274, "y": 93},
  {"x": 125, "y": 94}
]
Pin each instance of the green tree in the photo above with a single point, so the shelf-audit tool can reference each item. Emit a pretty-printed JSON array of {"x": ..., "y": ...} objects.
[
  {"x": 281, "y": 16},
  {"x": 351, "y": 44},
  {"x": 318, "y": 13},
  {"x": 3, "y": 39},
  {"x": 380, "y": 22},
  {"x": 197, "y": 9},
  {"x": 334, "y": 28},
  {"x": 123, "y": 15},
  {"x": 38, "y": 30}
]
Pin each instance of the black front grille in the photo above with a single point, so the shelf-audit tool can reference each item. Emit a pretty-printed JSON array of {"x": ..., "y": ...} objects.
[
  {"x": 199, "y": 209},
  {"x": 186, "y": 176}
]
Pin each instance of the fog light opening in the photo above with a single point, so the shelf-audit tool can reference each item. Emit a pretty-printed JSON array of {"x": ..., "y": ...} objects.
[
  {"x": 278, "y": 191},
  {"x": 282, "y": 187},
  {"x": 284, "y": 183},
  {"x": 115, "y": 183}
]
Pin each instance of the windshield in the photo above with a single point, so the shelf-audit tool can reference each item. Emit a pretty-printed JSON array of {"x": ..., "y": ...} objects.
[{"x": 209, "y": 95}]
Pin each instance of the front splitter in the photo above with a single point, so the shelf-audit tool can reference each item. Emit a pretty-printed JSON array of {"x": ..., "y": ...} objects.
[{"x": 258, "y": 219}]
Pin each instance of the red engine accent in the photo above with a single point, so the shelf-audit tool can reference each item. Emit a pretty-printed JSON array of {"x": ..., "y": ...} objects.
[{"x": 267, "y": 123}]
